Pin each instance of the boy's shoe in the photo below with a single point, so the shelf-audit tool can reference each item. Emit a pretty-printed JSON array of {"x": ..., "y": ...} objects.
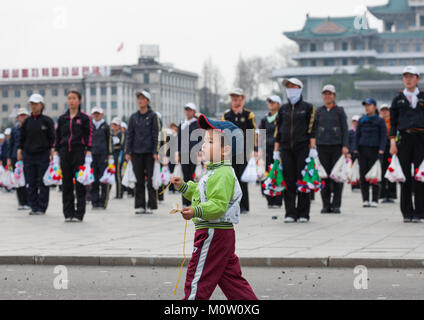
[
  {"x": 289, "y": 220},
  {"x": 27, "y": 207},
  {"x": 244, "y": 211},
  {"x": 407, "y": 220},
  {"x": 35, "y": 213},
  {"x": 68, "y": 220},
  {"x": 366, "y": 204},
  {"x": 325, "y": 211},
  {"x": 303, "y": 220},
  {"x": 148, "y": 211},
  {"x": 21, "y": 208},
  {"x": 374, "y": 204},
  {"x": 336, "y": 211},
  {"x": 417, "y": 220},
  {"x": 140, "y": 211}
]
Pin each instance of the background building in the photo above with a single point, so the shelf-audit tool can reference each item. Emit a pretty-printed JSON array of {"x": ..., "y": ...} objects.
[
  {"x": 329, "y": 46},
  {"x": 113, "y": 88}
]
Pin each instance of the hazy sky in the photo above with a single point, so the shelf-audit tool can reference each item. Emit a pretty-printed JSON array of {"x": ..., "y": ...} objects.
[{"x": 49, "y": 33}]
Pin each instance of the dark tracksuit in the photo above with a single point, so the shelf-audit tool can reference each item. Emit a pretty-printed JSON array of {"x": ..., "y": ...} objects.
[
  {"x": 245, "y": 121},
  {"x": 371, "y": 136},
  {"x": 388, "y": 189},
  {"x": 22, "y": 192},
  {"x": 142, "y": 144},
  {"x": 270, "y": 142},
  {"x": 101, "y": 150},
  {"x": 410, "y": 123},
  {"x": 185, "y": 149},
  {"x": 36, "y": 142},
  {"x": 332, "y": 135},
  {"x": 74, "y": 137},
  {"x": 296, "y": 126},
  {"x": 118, "y": 142}
]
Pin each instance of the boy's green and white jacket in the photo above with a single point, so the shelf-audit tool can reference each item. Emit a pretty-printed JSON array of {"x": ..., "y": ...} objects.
[{"x": 216, "y": 198}]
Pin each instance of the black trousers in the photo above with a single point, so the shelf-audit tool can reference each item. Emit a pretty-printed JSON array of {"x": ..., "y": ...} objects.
[
  {"x": 388, "y": 189},
  {"x": 239, "y": 170},
  {"x": 143, "y": 167},
  {"x": 36, "y": 166},
  {"x": 118, "y": 175},
  {"x": 278, "y": 200},
  {"x": 293, "y": 161},
  {"x": 328, "y": 156},
  {"x": 367, "y": 158},
  {"x": 70, "y": 163},
  {"x": 411, "y": 151},
  {"x": 188, "y": 171},
  {"x": 22, "y": 192},
  {"x": 99, "y": 192}
]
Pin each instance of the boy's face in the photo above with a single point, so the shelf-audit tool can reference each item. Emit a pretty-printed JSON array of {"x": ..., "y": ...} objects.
[{"x": 212, "y": 149}]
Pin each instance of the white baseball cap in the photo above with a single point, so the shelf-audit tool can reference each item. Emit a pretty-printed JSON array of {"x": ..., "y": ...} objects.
[
  {"x": 144, "y": 93},
  {"x": 356, "y": 118},
  {"x": 191, "y": 106},
  {"x": 8, "y": 132},
  {"x": 36, "y": 98},
  {"x": 97, "y": 110},
  {"x": 22, "y": 111},
  {"x": 411, "y": 70},
  {"x": 236, "y": 92},
  {"x": 329, "y": 88},
  {"x": 294, "y": 81},
  {"x": 275, "y": 98},
  {"x": 124, "y": 125},
  {"x": 117, "y": 121},
  {"x": 384, "y": 106}
]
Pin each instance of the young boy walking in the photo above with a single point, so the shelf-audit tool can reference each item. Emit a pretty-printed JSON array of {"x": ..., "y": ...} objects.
[{"x": 214, "y": 210}]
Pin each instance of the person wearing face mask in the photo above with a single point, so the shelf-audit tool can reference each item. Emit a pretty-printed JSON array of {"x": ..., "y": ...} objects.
[
  {"x": 102, "y": 157},
  {"x": 407, "y": 118},
  {"x": 295, "y": 141}
]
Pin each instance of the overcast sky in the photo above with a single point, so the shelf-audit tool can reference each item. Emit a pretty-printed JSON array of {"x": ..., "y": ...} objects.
[{"x": 49, "y": 33}]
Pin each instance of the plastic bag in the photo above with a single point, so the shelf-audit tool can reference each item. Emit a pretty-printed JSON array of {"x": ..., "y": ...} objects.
[
  {"x": 394, "y": 173},
  {"x": 419, "y": 176},
  {"x": 341, "y": 170},
  {"x": 19, "y": 175},
  {"x": 260, "y": 170},
  {"x": 129, "y": 179},
  {"x": 250, "y": 175},
  {"x": 355, "y": 174},
  {"x": 274, "y": 183},
  {"x": 53, "y": 175},
  {"x": 311, "y": 181},
  {"x": 178, "y": 172},
  {"x": 374, "y": 175},
  {"x": 165, "y": 175},
  {"x": 109, "y": 175},
  {"x": 85, "y": 175},
  {"x": 2, "y": 172},
  {"x": 8, "y": 180},
  {"x": 156, "y": 179},
  {"x": 321, "y": 170}
]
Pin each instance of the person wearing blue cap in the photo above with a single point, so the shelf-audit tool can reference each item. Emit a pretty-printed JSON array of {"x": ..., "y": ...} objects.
[
  {"x": 215, "y": 208},
  {"x": 370, "y": 143}
]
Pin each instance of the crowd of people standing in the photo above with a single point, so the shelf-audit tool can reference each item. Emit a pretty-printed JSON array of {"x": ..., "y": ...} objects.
[{"x": 295, "y": 131}]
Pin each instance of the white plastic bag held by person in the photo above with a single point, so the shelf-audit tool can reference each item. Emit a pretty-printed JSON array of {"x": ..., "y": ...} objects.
[
  {"x": 355, "y": 175},
  {"x": 156, "y": 179},
  {"x": 129, "y": 180},
  {"x": 419, "y": 176},
  {"x": 321, "y": 170},
  {"x": 341, "y": 170},
  {"x": 250, "y": 175},
  {"x": 375, "y": 174},
  {"x": 394, "y": 172}
]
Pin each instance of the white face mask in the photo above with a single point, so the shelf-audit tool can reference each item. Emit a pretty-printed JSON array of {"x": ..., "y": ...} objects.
[{"x": 294, "y": 95}]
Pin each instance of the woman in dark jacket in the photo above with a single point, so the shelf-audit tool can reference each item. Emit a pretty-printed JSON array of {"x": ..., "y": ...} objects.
[
  {"x": 370, "y": 143},
  {"x": 74, "y": 135}
]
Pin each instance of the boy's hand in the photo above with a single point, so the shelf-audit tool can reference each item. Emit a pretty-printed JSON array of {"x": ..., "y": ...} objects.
[
  {"x": 177, "y": 182},
  {"x": 188, "y": 213}
]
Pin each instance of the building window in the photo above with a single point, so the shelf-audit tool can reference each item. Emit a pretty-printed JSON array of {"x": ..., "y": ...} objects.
[
  {"x": 391, "y": 48},
  {"x": 5, "y": 122},
  {"x": 114, "y": 91},
  {"x": 329, "y": 62},
  {"x": 304, "y": 63},
  {"x": 103, "y": 91},
  {"x": 5, "y": 94},
  {"x": 418, "y": 47},
  {"x": 313, "y": 47},
  {"x": 42, "y": 92},
  {"x": 55, "y": 107},
  {"x": 146, "y": 78},
  {"x": 345, "y": 62},
  {"x": 114, "y": 105},
  {"x": 104, "y": 105},
  {"x": 54, "y": 93},
  {"x": 359, "y": 46},
  {"x": 422, "y": 21},
  {"x": 5, "y": 108},
  {"x": 17, "y": 93},
  {"x": 345, "y": 46},
  {"x": 329, "y": 46},
  {"x": 17, "y": 106},
  {"x": 92, "y": 91},
  {"x": 29, "y": 93},
  {"x": 303, "y": 48}
]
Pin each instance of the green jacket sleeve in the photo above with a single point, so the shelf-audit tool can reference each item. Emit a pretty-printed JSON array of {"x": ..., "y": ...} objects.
[
  {"x": 219, "y": 192},
  {"x": 187, "y": 189}
]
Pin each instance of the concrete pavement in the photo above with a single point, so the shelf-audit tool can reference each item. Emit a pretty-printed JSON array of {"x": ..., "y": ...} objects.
[{"x": 371, "y": 237}]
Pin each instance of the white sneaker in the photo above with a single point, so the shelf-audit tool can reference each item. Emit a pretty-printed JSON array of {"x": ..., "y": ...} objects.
[
  {"x": 303, "y": 220},
  {"x": 366, "y": 204},
  {"x": 148, "y": 211},
  {"x": 140, "y": 211},
  {"x": 374, "y": 204},
  {"x": 289, "y": 220}
]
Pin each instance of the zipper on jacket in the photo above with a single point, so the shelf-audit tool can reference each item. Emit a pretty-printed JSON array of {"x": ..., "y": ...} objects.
[
  {"x": 70, "y": 137},
  {"x": 291, "y": 128}
]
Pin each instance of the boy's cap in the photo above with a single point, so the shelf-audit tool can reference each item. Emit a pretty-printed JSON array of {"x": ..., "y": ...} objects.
[
  {"x": 294, "y": 81},
  {"x": 236, "y": 92},
  {"x": 385, "y": 107},
  {"x": 369, "y": 101},
  {"x": 191, "y": 106},
  {"x": 117, "y": 121},
  {"x": 36, "y": 98},
  {"x": 97, "y": 110},
  {"x": 229, "y": 129},
  {"x": 411, "y": 70},
  {"x": 144, "y": 93},
  {"x": 124, "y": 125},
  {"x": 8, "y": 132},
  {"x": 356, "y": 118},
  {"x": 276, "y": 99}
]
